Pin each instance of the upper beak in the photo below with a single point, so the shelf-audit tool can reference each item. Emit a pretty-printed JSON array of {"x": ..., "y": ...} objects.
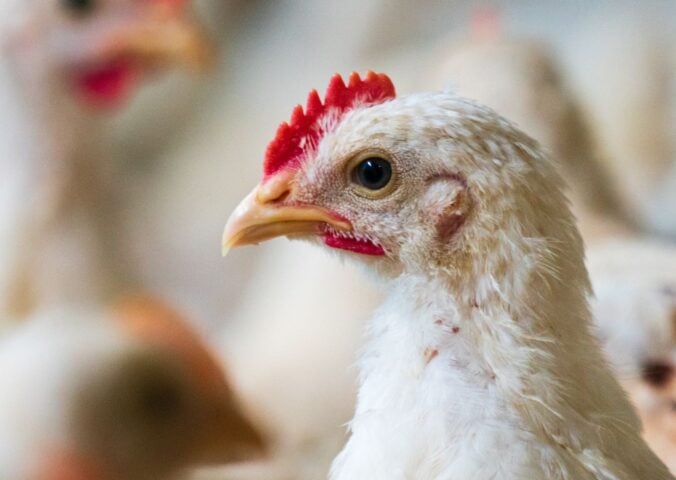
[
  {"x": 264, "y": 215},
  {"x": 163, "y": 40}
]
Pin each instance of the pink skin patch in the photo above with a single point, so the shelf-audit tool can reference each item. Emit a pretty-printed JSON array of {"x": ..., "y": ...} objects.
[
  {"x": 107, "y": 85},
  {"x": 362, "y": 247}
]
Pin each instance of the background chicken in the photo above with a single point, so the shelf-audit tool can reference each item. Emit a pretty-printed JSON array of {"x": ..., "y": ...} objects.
[
  {"x": 635, "y": 309},
  {"x": 64, "y": 65},
  {"x": 129, "y": 395},
  {"x": 633, "y": 113},
  {"x": 522, "y": 79}
]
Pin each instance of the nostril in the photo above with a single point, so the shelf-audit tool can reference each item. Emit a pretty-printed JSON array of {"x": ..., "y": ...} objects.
[
  {"x": 282, "y": 197},
  {"x": 276, "y": 189}
]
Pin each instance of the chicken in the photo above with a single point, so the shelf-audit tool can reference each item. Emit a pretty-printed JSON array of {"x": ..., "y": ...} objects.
[
  {"x": 129, "y": 395},
  {"x": 65, "y": 65},
  {"x": 634, "y": 113},
  {"x": 483, "y": 343}
]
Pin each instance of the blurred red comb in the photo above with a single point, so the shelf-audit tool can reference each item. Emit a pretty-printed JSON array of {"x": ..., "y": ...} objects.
[
  {"x": 306, "y": 128},
  {"x": 486, "y": 24},
  {"x": 170, "y": 3}
]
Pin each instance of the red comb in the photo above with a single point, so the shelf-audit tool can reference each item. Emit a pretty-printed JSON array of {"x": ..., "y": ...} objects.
[{"x": 306, "y": 129}]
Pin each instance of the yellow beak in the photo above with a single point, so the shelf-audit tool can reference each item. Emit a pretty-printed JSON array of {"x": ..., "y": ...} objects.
[{"x": 262, "y": 215}]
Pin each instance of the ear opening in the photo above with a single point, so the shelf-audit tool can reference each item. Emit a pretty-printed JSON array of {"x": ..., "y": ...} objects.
[{"x": 447, "y": 203}]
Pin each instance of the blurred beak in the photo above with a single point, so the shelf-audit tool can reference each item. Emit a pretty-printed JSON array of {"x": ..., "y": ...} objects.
[
  {"x": 164, "y": 40},
  {"x": 264, "y": 215}
]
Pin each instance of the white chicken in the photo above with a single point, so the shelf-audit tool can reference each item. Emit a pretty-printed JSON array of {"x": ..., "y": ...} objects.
[
  {"x": 64, "y": 64},
  {"x": 480, "y": 363},
  {"x": 132, "y": 395}
]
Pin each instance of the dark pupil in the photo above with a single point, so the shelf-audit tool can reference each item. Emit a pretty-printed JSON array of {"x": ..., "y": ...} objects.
[
  {"x": 374, "y": 173},
  {"x": 79, "y": 6}
]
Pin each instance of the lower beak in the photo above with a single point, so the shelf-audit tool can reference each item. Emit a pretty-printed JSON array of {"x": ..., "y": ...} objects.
[
  {"x": 257, "y": 219},
  {"x": 164, "y": 41}
]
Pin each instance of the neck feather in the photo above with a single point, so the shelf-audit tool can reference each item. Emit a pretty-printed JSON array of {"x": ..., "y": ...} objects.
[{"x": 517, "y": 329}]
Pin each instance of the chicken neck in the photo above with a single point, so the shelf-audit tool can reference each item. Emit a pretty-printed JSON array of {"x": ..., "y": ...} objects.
[
  {"x": 54, "y": 190},
  {"x": 459, "y": 366}
]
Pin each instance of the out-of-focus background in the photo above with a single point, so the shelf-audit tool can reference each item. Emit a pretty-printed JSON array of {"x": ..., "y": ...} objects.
[{"x": 130, "y": 129}]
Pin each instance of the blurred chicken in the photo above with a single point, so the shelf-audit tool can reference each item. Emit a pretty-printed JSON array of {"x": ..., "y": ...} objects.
[
  {"x": 635, "y": 310},
  {"x": 133, "y": 395},
  {"x": 523, "y": 81},
  {"x": 634, "y": 112},
  {"x": 65, "y": 64}
]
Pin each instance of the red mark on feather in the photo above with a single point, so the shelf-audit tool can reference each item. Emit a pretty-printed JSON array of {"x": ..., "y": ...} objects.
[
  {"x": 305, "y": 128},
  {"x": 430, "y": 354}
]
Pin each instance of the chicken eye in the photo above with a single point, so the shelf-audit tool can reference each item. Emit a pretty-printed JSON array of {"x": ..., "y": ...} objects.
[
  {"x": 373, "y": 173},
  {"x": 79, "y": 7},
  {"x": 657, "y": 373}
]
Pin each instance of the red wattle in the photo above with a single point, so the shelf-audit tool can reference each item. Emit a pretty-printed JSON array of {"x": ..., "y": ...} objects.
[
  {"x": 107, "y": 85},
  {"x": 363, "y": 247}
]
